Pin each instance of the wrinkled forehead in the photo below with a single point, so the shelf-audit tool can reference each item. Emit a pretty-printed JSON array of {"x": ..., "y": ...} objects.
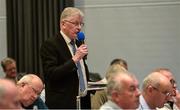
[
  {"x": 75, "y": 17},
  {"x": 10, "y": 64},
  {"x": 171, "y": 78},
  {"x": 132, "y": 82},
  {"x": 70, "y": 14},
  {"x": 37, "y": 84},
  {"x": 168, "y": 74},
  {"x": 166, "y": 86}
]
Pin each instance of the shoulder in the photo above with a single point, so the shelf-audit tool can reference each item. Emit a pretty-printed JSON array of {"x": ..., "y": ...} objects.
[
  {"x": 40, "y": 104},
  {"x": 52, "y": 42},
  {"x": 53, "y": 39},
  {"x": 109, "y": 105}
]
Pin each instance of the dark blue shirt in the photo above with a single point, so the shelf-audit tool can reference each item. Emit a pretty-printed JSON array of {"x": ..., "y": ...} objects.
[{"x": 38, "y": 104}]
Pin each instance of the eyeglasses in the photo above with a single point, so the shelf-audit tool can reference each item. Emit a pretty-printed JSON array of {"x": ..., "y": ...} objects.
[
  {"x": 11, "y": 69},
  {"x": 34, "y": 90},
  {"x": 173, "y": 82},
  {"x": 75, "y": 23},
  {"x": 167, "y": 94}
]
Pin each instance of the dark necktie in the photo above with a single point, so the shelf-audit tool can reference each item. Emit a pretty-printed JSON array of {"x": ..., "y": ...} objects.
[{"x": 81, "y": 79}]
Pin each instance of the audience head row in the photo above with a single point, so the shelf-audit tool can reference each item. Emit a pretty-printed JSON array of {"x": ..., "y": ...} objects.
[
  {"x": 24, "y": 93},
  {"x": 122, "y": 87}
]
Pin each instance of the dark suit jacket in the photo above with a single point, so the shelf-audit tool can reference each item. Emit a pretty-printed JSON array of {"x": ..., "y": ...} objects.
[
  {"x": 39, "y": 104},
  {"x": 60, "y": 75}
]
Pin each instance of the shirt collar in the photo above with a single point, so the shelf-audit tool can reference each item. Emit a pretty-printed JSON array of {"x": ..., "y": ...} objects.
[
  {"x": 66, "y": 38},
  {"x": 143, "y": 104}
]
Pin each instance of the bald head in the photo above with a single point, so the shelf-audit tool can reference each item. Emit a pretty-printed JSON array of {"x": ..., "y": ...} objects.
[
  {"x": 31, "y": 79},
  {"x": 155, "y": 79},
  {"x": 167, "y": 73},
  {"x": 29, "y": 87},
  {"x": 8, "y": 95},
  {"x": 156, "y": 85},
  {"x": 151, "y": 79},
  {"x": 123, "y": 85}
]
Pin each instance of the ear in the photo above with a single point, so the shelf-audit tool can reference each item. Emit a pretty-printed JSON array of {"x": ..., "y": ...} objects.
[
  {"x": 115, "y": 95},
  {"x": 22, "y": 84},
  {"x": 62, "y": 23}
]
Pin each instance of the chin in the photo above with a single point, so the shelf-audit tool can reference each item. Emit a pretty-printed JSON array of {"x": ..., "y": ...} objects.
[
  {"x": 27, "y": 104},
  {"x": 14, "y": 75}
]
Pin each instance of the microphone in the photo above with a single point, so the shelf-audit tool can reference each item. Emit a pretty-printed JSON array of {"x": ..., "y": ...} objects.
[{"x": 80, "y": 37}]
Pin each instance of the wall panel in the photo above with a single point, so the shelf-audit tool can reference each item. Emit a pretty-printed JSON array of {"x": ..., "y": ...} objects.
[
  {"x": 3, "y": 40},
  {"x": 146, "y": 33}
]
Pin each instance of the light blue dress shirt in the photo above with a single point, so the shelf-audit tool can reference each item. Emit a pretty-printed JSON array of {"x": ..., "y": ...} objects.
[{"x": 143, "y": 105}]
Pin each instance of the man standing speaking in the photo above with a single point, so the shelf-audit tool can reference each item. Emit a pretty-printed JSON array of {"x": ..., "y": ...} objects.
[{"x": 64, "y": 69}]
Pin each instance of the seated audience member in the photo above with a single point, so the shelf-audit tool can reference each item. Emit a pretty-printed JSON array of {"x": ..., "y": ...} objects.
[
  {"x": 156, "y": 91},
  {"x": 8, "y": 95},
  {"x": 170, "y": 105},
  {"x": 29, "y": 88},
  {"x": 122, "y": 92},
  {"x": 116, "y": 61},
  {"x": 100, "y": 96},
  {"x": 9, "y": 68}
]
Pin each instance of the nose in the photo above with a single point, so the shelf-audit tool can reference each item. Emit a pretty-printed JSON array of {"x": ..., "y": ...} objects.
[
  {"x": 35, "y": 96},
  {"x": 174, "y": 92},
  {"x": 175, "y": 85},
  {"x": 79, "y": 26},
  {"x": 78, "y": 29}
]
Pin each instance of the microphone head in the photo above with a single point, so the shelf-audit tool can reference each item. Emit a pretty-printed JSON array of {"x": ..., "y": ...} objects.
[{"x": 80, "y": 36}]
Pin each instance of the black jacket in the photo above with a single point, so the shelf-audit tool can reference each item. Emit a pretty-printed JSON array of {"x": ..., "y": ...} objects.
[{"x": 60, "y": 75}]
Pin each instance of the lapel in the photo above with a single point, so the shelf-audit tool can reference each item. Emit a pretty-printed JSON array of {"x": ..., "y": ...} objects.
[{"x": 63, "y": 46}]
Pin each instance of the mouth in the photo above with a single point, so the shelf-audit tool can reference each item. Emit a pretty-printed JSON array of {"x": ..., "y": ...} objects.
[
  {"x": 77, "y": 33},
  {"x": 32, "y": 100}
]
